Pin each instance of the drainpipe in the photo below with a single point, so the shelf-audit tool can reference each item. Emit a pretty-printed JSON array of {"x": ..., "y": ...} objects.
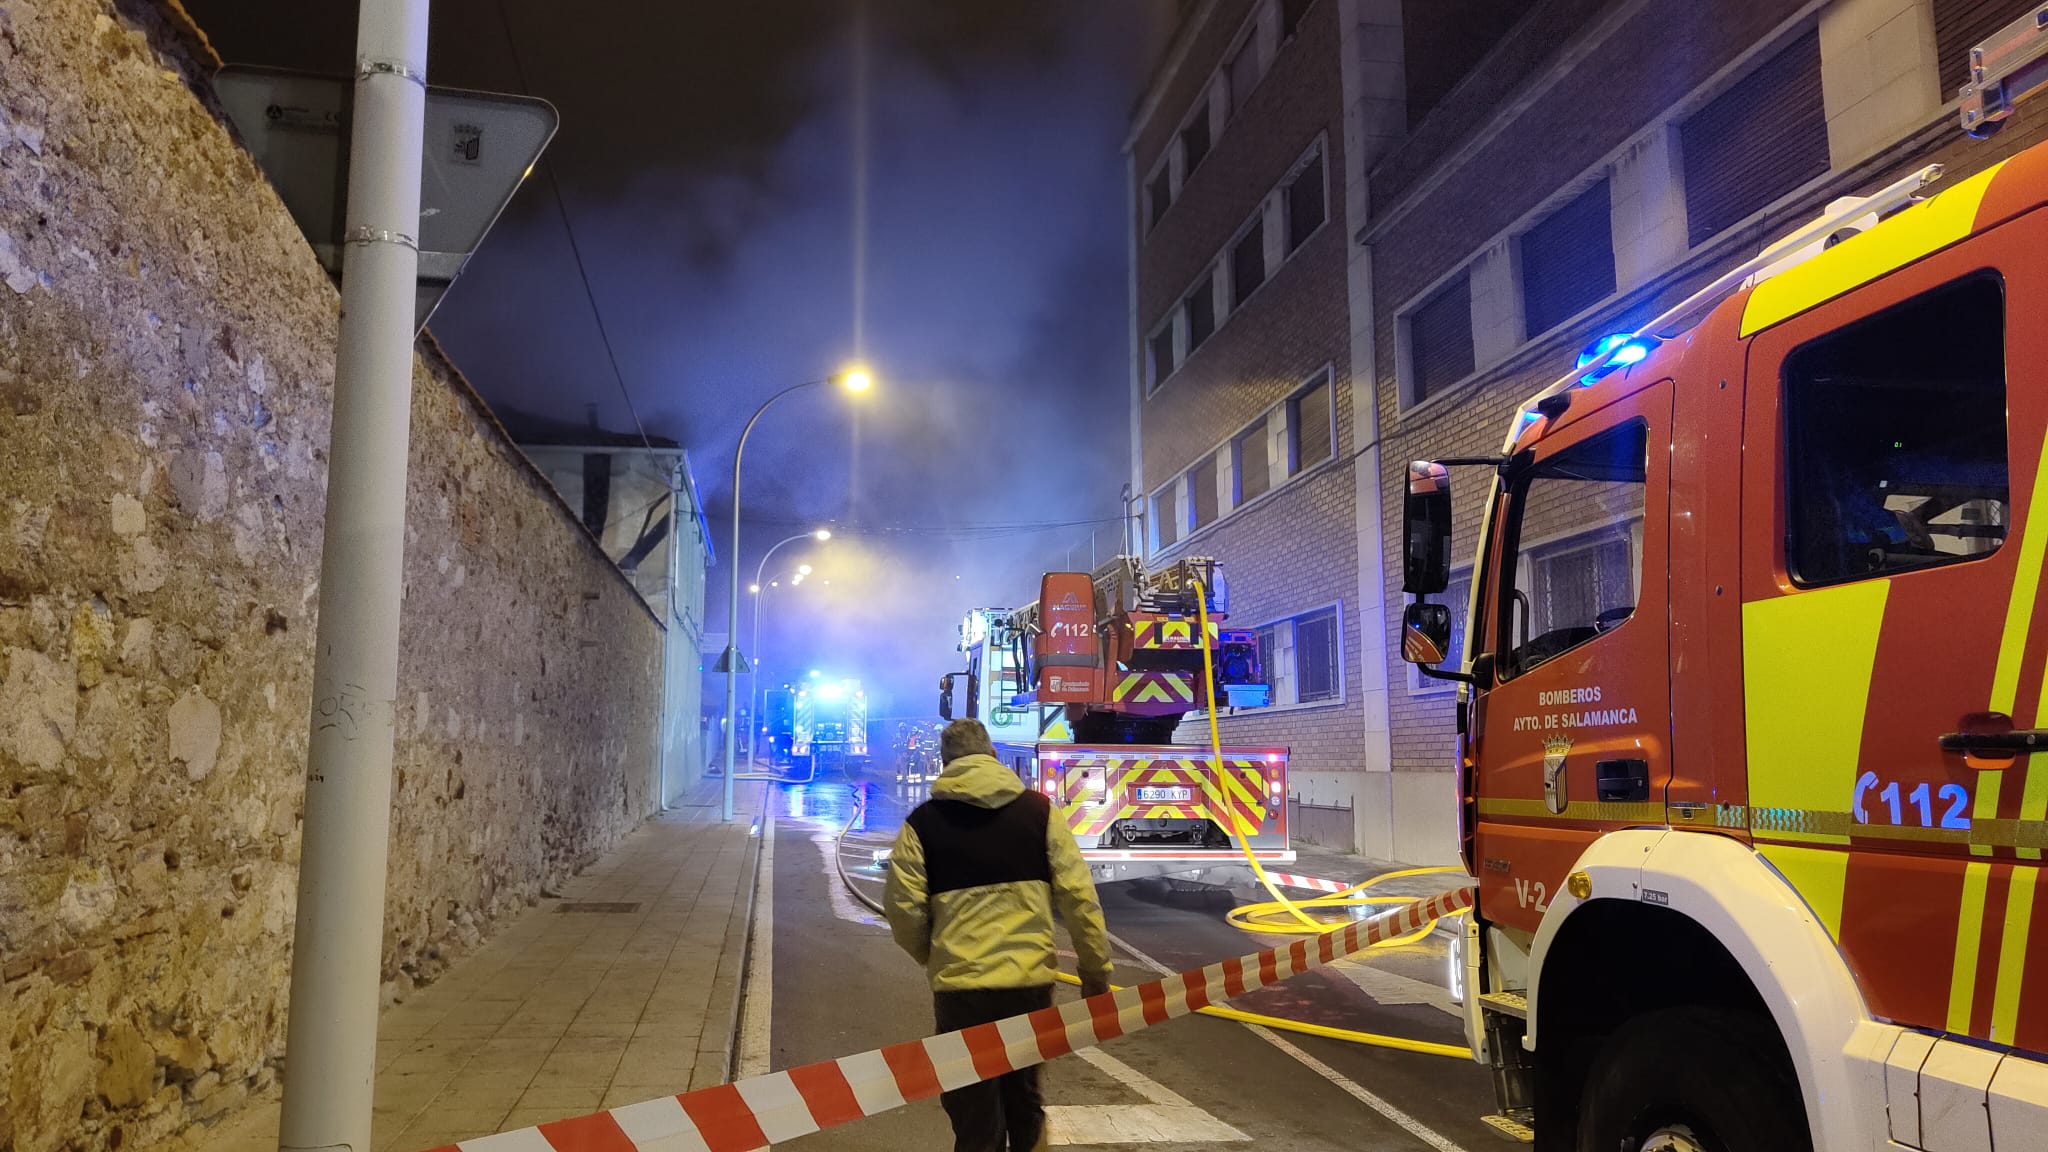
[{"x": 331, "y": 1042}]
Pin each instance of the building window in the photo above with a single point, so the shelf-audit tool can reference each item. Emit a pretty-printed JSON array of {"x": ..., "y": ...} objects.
[
  {"x": 1960, "y": 25},
  {"x": 1895, "y": 446},
  {"x": 1254, "y": 475},
  {"x": 1458, "y": 595},
  {"x": 1309, "y": 426},
  {"x": 1305, "y": 208},
  {"x": 1568, "y": 261},
  {"x": 1201, "y": 307},
  {"x": 1755, "y": 142},
  {"x": 1248, "y": 261},
  {"x": 1575, "y": 546},
  {"x": 1166, "y": 516},
  {"x": 1440, "y": 340},
  {"x": 1194, "y": 138},
  {"x": 1303, "y": 658},
  {"x": 1244, "y": 70},
  {"x": 1291, "y": 12},
  {"x": 1159, "y": 351},
  {"x": 1159, "y": 194},
  {"x": 1202, "y": 491}
]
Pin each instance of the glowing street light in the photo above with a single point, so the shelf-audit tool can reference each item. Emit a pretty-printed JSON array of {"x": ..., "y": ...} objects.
[
  {"x": 822, "y": 534},
  {"x": 754, "y": 588},
  {"x": 803, "y": 569},
  {"x": 854, "y": 378}
]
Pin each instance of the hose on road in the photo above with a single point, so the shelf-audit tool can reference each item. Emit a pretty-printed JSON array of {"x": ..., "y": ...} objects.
[{"x": 1277, "y": 1023}]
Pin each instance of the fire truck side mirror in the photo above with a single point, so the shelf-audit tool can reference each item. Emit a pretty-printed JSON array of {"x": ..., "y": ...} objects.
[
  {"x": 1426, "y": 529},
  {"x": 1426, "y": 633},
  {"x": 945, "y": 697}
]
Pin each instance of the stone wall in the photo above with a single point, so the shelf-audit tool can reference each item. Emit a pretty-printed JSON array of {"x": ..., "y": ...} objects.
[{"x": 166, "y": 343}]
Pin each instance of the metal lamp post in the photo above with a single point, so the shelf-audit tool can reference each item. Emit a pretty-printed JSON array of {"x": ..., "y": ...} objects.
[
  {"x": 339, "y": 932},
  {"x": 854, "y": 380}
]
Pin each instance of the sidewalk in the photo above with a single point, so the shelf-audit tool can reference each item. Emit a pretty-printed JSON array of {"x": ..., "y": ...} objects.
[{"x": 624, "y": 989}]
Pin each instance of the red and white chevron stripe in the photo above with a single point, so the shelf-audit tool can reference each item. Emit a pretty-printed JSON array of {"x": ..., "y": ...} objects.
[
  {"x": 781, "y": 1106},
  {"x": 1308, "y": 883}
]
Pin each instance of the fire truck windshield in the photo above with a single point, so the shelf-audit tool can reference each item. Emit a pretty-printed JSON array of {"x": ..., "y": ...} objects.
[{"x": 1575, "y": 535}]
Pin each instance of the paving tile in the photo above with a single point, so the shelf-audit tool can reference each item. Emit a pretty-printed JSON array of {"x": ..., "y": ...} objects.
[
  {"x": 560, "y": 1014},
  {"x": 442, "y": 1127}
]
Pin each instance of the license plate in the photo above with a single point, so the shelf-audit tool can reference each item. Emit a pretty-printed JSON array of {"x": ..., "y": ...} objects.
[{"x": 1165, "y": 795}]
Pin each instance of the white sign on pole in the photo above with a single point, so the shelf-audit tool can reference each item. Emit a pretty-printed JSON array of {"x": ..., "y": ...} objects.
[{"x": 479, "y": 146}]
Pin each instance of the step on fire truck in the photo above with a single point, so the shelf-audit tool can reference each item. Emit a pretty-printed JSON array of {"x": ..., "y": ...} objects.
[
  {"x": 1752, "y": 691},
  {"x": 829, "y": 725},
  {"x": 1081, "y": 690}
]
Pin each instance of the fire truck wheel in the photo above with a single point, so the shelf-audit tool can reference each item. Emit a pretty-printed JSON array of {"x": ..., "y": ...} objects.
[{"x": 1692, "y": 1080}]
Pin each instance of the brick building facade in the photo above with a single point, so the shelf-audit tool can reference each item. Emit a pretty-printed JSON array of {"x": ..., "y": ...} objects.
[
  {"x": 1243, "y": 437},
  {"x": 1501, "y": 183}
]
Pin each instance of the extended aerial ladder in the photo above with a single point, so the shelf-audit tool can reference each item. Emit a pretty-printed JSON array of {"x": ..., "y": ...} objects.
[{"x": 1083, "y": 688}]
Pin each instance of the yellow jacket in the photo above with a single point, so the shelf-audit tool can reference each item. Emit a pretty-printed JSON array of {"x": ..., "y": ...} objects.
[{"x": 975, "y": 876}]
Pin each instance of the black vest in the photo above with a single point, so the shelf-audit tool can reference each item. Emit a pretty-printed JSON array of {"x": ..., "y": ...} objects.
[{"x": 968, "y": 846}]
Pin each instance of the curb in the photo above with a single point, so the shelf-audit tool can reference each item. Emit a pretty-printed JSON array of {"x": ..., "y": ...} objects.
[{"x": 731, "y": 981}]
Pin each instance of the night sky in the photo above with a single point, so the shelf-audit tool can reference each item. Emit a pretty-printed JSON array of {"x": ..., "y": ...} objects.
[{"x": 707, "y": 165}]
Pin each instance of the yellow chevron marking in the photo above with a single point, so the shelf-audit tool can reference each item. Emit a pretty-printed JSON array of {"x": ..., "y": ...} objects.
[
  {"x": 1926, "y": 227},
  {"x": 1962, "y": 978},
  {"x": 2012, "y": 955},
  {"x": 2034, "y": 802},
  {"x": 1986, "y": 808},
  {"x": 1807, "y": 660},
  {"x": 2026, "y": 584}
]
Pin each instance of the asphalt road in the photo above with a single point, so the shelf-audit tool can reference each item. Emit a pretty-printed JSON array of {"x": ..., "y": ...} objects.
[{"x": 839, "y": 986}]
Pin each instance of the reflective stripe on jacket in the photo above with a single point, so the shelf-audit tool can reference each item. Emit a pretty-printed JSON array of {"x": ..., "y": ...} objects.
[{"x": 975, "y": 876}]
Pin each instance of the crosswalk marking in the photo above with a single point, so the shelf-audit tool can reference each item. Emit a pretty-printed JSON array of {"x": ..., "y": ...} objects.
[{"x": 1166, "y": 1117}]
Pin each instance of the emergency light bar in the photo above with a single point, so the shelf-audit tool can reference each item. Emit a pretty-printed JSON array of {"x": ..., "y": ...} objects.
[{"x": 2006, "y": 68}]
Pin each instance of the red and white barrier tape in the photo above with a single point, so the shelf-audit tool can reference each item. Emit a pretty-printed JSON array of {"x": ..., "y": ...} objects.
[
  {"x": 1309, "y": 883},
  {"x": 781, "y": 1106}
]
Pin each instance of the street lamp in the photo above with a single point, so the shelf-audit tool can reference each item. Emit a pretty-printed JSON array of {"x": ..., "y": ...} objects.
[
  {"x": 855, "y": 378},
  {"x": 754, "y": 642}
]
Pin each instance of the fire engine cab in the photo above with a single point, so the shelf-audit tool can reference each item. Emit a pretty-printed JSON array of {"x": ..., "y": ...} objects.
[
  {"x": 1753, "y": 678},
  {"x": 1081, "y": 691}
]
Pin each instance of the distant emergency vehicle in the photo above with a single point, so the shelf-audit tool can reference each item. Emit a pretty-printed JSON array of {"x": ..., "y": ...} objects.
[
  {"x": 1082, "y": 690},
  {"x": 829, "y": 724},
  {"x": 1753, "y": 677}
]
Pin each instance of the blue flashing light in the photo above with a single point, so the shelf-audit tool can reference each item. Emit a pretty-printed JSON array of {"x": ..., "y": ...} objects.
[
  {"x": 1624, "y": 352},
  {"x": 1600, "y": 347}
]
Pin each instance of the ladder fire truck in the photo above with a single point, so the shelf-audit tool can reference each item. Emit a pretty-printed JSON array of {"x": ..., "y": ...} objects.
[
  {"x": 1752, "y": 693},
  {"x": 1081, "y": 691}
]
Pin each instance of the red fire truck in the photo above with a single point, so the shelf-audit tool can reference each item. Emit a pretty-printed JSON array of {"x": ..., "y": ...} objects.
[
  {"x": 1754, "y": 675},
  {"x": 1082, "y": 690}
]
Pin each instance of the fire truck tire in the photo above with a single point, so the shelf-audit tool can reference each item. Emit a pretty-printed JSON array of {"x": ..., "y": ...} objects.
[{"x": 1692, "y": 1080}]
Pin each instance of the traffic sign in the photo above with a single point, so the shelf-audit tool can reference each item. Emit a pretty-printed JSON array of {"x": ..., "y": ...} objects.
[{"x": 479, "y": 146}]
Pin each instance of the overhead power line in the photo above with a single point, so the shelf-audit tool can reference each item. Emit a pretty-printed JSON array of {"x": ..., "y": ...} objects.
[{"x": 575, "y": 249}]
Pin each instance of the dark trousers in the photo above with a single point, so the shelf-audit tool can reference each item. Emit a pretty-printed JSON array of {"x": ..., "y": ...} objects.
[{"x": 1001, "y": 1114}]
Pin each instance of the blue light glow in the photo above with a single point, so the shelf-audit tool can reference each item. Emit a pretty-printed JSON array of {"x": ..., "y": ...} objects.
[
  {"x": 1600, "y": 347},
  {"x": 1624, "y": 352}
]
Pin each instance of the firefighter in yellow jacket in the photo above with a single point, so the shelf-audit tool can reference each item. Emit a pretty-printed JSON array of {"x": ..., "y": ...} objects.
[{"x": 973, "y": 881}]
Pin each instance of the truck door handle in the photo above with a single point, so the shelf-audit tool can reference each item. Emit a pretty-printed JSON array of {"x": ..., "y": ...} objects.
[
  {"x": 1622, "y": 780},
  {"x": 2017, "y": 742}
]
